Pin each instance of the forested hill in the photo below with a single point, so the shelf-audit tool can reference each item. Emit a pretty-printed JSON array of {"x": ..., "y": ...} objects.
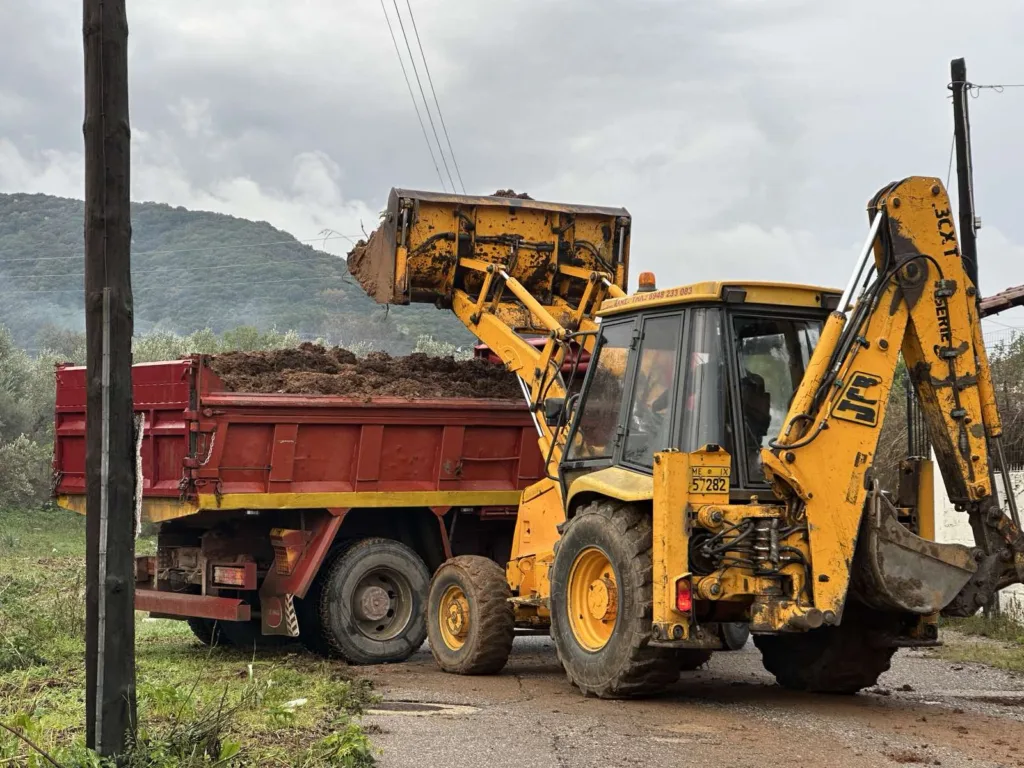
[{"x": 194, "y": 270}]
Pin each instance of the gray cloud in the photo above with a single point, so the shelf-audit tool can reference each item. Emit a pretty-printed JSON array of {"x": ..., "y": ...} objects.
[{"x": 744, "y": 136}]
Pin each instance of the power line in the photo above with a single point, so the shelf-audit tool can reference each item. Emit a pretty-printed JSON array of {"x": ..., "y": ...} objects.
[
  {"x": 437, "y": 104},
  {"x": 78, "y": 255},
  {"x": 412, "y": 96},
  {"x": 1002, "y": 325},
  {"x": 426, "y": 105},
  {"x": 978, "y": 87},
  {"x": 949, "y": 170}
]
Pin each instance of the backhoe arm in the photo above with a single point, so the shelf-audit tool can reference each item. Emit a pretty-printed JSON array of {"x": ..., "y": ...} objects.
[
  {"x": 916, "y": 299},
  {"x": 509, "y": 268}
]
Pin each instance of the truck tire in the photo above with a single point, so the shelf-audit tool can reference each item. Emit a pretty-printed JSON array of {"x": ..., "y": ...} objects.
[
  {"x": 372, "y": 604},
  {"x": 470, "y": 621},
  {"x": 207, "y": 631},
  {"x": 843, "y": 659},
  {"x": 307, "y": 610},
  {"x": 692, "y": 658},
  {"x": 248, "y": 635},
  {"x": 602, "y": 603}
]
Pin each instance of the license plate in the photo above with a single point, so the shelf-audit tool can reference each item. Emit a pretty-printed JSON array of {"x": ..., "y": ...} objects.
[{"x": 709, "y": 479}]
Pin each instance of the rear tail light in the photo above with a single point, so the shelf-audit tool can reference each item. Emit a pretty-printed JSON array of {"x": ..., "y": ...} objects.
[
  {"x": 240, "y": 576},
  {"x": 684, "y": 597}
]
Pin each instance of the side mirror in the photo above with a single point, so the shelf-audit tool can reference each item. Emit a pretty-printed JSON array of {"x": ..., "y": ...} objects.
[{"x": 554, "y": 409}]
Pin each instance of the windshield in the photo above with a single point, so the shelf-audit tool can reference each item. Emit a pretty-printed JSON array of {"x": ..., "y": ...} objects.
[
  {"x": 772, "y": 354},
  {"x": 598, "y": 421}
]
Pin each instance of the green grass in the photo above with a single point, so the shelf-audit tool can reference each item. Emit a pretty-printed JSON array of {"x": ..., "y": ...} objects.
[
  {"x": 997, "y": 642},
  {"x": 997, "y": 628},
  {"x": 197, "y": 706}
]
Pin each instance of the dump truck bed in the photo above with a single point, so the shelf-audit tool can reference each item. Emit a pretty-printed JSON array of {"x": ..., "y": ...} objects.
[{"x": 207, "y": 448}]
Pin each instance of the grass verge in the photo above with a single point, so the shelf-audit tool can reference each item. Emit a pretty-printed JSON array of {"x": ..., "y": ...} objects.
[
  {"x": 997, "y": 642},
  {"x": 197, "y": 705}
]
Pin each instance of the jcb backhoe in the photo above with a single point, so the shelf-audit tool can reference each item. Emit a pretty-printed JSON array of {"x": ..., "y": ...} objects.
[{"x": 718, "y": 464}]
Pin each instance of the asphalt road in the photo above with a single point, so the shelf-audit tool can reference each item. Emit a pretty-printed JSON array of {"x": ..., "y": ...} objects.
[{"x": 924, "y": 712}]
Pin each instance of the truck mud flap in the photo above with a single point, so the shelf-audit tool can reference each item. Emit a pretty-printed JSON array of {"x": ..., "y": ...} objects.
[{"x": 897, "y": 570}]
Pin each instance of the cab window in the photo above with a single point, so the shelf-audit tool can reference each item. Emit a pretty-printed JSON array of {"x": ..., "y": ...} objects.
[
  {"x": 772, "y": 354},
  {"x": 649, "y": 417},
  {"x": 598, "y": 421}
]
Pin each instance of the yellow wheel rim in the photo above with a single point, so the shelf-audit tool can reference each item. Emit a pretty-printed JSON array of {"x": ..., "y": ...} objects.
[
  {"x": 453, "y": 617},
  {"x": 593, "y": 599}
]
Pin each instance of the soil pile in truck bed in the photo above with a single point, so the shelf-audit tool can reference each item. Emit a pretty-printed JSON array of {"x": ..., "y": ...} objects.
[{"x": 312, "y": 369}]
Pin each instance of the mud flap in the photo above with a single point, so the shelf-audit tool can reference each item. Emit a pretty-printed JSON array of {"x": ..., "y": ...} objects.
[{"x": 899, "y": 571}]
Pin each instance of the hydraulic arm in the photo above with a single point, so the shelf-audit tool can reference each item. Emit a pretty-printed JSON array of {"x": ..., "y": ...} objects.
[{"x": 916, "y": 298}]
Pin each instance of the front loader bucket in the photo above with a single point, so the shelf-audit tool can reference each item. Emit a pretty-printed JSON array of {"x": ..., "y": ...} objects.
[
  {"x": 899, "y": 571},
  {"x": 417, "y": 253}
]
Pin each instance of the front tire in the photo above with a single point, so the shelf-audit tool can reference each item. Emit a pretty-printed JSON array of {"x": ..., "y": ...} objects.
[
  {"x": 602, "y": 604},
  {"x": 734, "y": 634},
  {"x": 470, "y": 621},
  {"x": 372, "y": 602}
]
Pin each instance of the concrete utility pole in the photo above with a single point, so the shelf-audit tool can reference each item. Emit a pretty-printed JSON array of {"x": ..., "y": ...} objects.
[{"x": 110, "y": 448}]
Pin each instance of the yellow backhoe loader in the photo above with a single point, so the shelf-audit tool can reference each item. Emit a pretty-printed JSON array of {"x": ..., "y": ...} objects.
[{"x": 718, "y": 464}]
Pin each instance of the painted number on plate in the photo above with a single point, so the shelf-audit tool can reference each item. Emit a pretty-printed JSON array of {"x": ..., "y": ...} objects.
[{"x": 709, "y": 479}]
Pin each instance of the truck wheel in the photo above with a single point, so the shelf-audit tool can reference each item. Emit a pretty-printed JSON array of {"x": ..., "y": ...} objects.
[
  {"x": 602, "y": 601},
  {"x": 692, "y": 658},
  {"x": 307, "y": 610},
  {"x": 207, "y": 631},
  {"x": 470, "y": 621},
  {"x": 248, "y": 635},
  {"x": 841, "y": 659},
  {"x": 372, "y": 602}
]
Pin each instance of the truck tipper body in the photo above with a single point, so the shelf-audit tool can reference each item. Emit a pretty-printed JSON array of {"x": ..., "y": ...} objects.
[{"x": 312, "y": 516}]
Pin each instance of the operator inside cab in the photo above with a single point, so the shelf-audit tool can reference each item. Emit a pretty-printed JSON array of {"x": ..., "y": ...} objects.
[{"x": 757, "y": 418}]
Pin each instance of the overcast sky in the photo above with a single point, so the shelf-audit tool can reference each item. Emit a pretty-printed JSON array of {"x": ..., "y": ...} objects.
[{"x": 744, "y": 136}]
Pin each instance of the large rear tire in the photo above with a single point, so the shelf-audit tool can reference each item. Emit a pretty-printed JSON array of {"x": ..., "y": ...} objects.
[
  {"x": 602, "y": 604},
  {"x": 843, "y": 659},
  {"x": 470, "y": 621},
  {"x": 372, "y": 602}
]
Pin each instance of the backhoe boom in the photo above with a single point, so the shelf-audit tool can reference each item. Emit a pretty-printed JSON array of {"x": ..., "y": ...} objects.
[{"x": 917, "y": 300}]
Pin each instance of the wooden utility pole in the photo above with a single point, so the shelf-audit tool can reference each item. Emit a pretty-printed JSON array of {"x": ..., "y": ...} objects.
[
  {"x": 964, "y": 168},
  {"x": 110, "y": 444}
]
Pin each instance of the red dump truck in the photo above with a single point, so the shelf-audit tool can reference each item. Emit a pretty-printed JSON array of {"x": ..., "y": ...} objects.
[{"x": 313, "y": 516}]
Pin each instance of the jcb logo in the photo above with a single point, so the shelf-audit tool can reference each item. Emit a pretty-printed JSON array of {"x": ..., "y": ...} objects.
[{"x": 859, "y": 402}]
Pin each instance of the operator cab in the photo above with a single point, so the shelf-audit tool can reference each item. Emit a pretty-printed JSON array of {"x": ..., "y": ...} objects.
[{"x": 709, "y": 363}]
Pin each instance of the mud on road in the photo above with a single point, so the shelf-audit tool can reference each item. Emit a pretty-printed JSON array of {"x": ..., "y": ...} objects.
[
  {"x": 311, "y": 369},
  {"x": 731, "y": 715}
]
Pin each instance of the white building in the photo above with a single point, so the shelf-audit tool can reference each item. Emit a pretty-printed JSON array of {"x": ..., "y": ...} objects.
[{"x": 952, "y": 526}]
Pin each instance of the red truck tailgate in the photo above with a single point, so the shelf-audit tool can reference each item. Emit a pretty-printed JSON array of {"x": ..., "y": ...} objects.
[{"x": 161, "y": 391}]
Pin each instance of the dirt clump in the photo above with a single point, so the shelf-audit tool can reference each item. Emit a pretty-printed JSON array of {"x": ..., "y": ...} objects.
[
  {"x": 312, "y": 369},
  {"x": 361, "y": 266},
  {"x": 511, "y": 193}
]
